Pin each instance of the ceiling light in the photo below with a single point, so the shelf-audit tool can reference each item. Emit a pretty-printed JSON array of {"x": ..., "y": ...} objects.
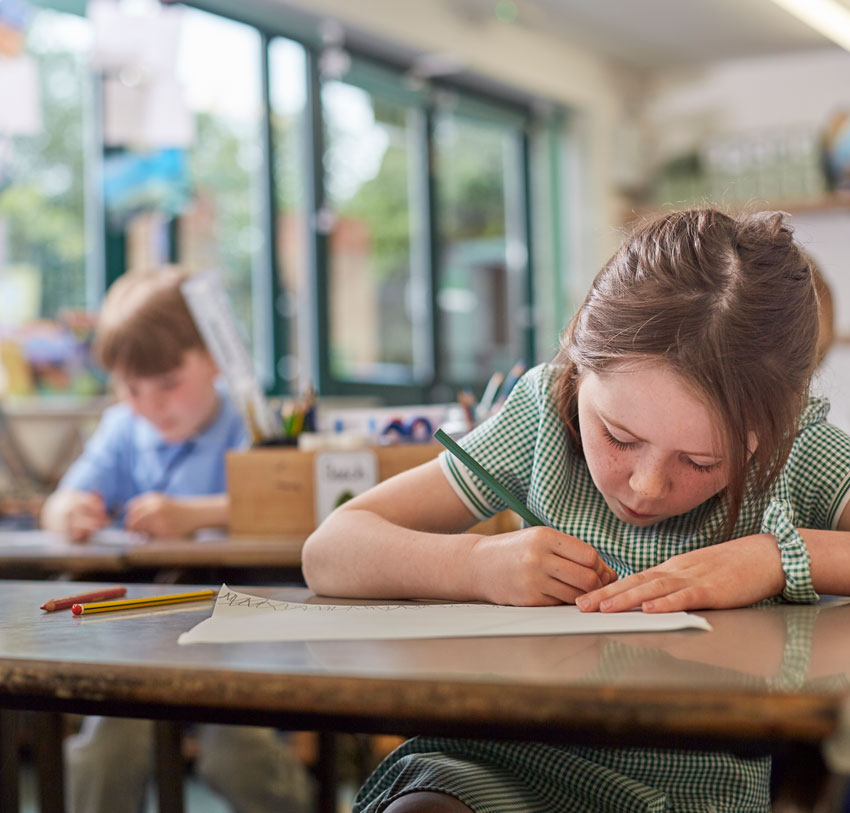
[{"x": 829, "y": 17}]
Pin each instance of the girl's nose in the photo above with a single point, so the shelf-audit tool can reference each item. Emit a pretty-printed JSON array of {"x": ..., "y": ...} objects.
[{"x": 649, "y": 479}]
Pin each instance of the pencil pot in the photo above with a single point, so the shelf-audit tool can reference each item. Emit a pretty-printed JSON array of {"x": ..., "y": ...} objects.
[{"x": 276, "y": 491}]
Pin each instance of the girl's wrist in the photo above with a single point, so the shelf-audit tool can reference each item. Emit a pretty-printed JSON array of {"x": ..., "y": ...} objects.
[
  {"x": 471, "y": 571},
  {"x": 793, "y": 553}
]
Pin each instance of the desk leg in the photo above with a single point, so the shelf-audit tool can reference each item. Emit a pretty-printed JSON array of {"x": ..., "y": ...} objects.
[
  {"x": 326, "y": 772},
  {"x": 169, "y": 766},
  {"x": 807, "y": 784},
  {"x": 9, "y": 762},
  {"x": 49, "y": 766}
]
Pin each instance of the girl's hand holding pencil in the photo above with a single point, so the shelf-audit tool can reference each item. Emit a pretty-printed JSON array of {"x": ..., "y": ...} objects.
[{"x": 534, "y": 566}]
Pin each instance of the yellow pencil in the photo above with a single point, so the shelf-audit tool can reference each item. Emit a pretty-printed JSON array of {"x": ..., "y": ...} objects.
[{"x": 148, "y": 601}]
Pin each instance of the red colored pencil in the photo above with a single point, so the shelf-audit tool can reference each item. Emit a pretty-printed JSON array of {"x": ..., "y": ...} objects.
[{"x": 93, "y": 595}]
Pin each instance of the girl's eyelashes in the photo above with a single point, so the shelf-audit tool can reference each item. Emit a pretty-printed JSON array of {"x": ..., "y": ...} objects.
[
  {"x": 623, "y": 445},
  {"x": 702, "y": 469},
  {"x": 617, "y": 444}
]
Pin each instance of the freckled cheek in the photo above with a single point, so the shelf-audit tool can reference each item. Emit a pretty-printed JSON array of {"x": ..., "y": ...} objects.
[
  {"x": 696, "y": 487},
  {"x": 607, "y": 466}
]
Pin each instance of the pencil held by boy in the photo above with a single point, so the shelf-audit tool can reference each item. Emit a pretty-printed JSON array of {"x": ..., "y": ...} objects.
[{"x": 156, "y": 463}]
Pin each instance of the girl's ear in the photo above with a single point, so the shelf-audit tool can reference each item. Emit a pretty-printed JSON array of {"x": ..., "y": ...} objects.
[{"x": 752, "y": 444}]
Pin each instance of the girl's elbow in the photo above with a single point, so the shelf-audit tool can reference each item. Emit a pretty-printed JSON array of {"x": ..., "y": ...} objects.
[
  {"x": 315, "y": 566},
  {"x": 309, "y": 565}
]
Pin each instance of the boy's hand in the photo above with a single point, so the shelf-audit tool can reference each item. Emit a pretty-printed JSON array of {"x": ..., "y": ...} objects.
[
  {"x": 78, "y": 514},
  {"x": 87, "y": 514},
  {"x": 732, "y": 574},
  {"x": 536, "y": 566},
  {"x": 156, "y": 514}
]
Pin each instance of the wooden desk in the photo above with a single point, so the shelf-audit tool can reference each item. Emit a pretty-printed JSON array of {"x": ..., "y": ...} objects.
[
  {"x": 763, "y": 679},
  {"x": 43, "y": 552},
  {"x": 729, "y": 685}
]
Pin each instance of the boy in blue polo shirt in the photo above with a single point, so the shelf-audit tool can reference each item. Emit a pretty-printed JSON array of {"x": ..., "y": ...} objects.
[
  {"x": 156, "y": 461},
  {"x": 156, "y": 465}
]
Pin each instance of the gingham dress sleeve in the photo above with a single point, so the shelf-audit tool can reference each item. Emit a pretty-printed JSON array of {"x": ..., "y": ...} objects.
[
  {"x": 811, "y": 492},
  {"x": 504, "y": 445},
  {"x": 818, "y": 470}
]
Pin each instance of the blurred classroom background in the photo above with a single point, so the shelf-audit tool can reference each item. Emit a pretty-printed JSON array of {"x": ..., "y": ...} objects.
[{"x": 402, "y": 198}]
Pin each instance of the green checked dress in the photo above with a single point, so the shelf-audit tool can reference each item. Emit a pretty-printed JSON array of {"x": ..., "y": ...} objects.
[{"x": 526, "y": 447}]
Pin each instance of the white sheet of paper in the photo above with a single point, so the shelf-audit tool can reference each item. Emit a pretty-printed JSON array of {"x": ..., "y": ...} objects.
[
  {"x": 240, "y": 617},
  {"x": 119, "y": 537}
]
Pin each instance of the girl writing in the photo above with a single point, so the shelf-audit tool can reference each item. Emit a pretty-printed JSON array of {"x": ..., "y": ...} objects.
[{"x": 673, "y": 452}]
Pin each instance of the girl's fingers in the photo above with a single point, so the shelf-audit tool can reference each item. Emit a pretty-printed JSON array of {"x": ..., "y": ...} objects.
[
  {"x": 574, "y": 550},
  {"x": 559, "y": 592},
  {"x": 606, "y": 574},
  {"x": 582, "y": 579},
  {"x": 671, "y": 603},
  {"x": 630, "y": 593},
  {"x": 591, "y": 601}
]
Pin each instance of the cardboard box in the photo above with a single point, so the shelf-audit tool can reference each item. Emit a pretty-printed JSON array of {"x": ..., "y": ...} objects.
[{"x": 276, "y": 491}]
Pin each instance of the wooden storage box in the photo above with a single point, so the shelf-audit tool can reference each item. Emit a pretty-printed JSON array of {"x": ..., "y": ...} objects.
[{"x": 273, "y": 490}]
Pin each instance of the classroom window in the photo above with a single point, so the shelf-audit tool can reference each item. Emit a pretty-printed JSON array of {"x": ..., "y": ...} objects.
[
  {"x": 482, "y": 259},
  {"x": 221, "y": 225},
  {"x": 371, "y": 227},
  {"x": 287, "y": 91},
  {"x": 42, "y": 202},
  {"x": 372, "y": 285},
  {"x": 182, "y": 183}
]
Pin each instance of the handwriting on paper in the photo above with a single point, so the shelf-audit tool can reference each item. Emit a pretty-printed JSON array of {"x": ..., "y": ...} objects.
[{"x": 240, "y": 618}]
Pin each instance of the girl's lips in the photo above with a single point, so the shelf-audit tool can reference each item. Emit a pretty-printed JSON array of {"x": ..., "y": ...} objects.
[{"x": 635, "y": 514}]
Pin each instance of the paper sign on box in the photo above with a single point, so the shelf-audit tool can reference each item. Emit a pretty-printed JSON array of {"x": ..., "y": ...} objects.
[{"x": 341, "y": 476}]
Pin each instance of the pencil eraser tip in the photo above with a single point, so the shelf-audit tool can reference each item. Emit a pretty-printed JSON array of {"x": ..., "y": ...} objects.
[{"x": 77, "y": 609}]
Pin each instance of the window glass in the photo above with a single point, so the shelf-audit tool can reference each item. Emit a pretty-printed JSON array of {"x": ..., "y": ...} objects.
[
  {"x": 183, "y": 124},
  {"x": 220, "y": 67},
  {"x": 372, "y": 278},
  {"x": 42, "y": 212},
  {"x": 287, "y": 87},
  {"x": 482, "y": 254}
]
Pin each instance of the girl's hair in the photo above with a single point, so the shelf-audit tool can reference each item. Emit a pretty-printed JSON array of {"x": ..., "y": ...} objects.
[
  {"x": 729, "y": 304},
  {"x": 826, "y": 313},
  {"x": 145, "y": 327}
]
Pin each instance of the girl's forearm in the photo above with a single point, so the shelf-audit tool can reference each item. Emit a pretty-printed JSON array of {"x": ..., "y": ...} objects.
[
  {"x": 356, "y": 553},
  {"x": 830, "y": 560}
]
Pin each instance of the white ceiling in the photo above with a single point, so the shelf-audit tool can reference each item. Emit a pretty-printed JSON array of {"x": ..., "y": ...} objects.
[{"x": 664, "y": 33}]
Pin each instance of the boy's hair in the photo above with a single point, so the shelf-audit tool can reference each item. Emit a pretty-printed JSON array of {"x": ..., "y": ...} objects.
[
  {"x": 730, "y": 305},
  {"x": 145, "y": 327}
]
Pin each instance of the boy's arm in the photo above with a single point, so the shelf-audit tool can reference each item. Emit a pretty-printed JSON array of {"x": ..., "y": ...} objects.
[
  {"x": 77, "y": 514},
  {"x": 104, "y": 467},
  {"x": 161, "y": 515}
]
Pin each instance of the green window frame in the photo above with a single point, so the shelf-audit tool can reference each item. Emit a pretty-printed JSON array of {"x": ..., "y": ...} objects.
[{"x": 535, "y": 136}]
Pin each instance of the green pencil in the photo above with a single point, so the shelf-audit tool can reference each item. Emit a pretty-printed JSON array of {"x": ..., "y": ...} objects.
[{"x": 475, "y": 467}]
